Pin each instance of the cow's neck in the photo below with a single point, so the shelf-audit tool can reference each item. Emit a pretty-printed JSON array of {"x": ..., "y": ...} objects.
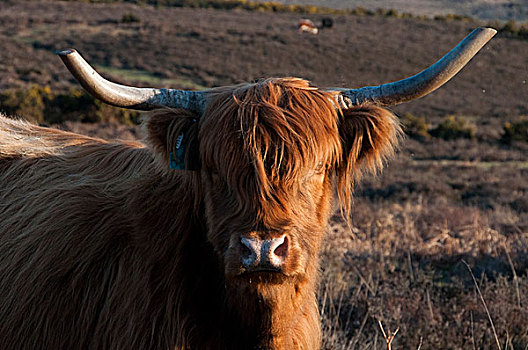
[
  {"x": 253, "y": 316},
  {"x": 277, "y": 317}
]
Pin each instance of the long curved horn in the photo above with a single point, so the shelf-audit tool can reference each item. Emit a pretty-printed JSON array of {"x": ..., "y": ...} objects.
[
  {"x": 422, "y": 83},
  {"x": 126, "y": 96},
  {"x": 388, "y": 94}
]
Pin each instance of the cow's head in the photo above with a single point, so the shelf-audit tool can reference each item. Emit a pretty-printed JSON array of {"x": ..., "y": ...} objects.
[{"x": 270, "y": 154}]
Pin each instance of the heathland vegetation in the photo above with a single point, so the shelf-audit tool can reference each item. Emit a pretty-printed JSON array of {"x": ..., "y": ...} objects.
[
  {"x": 511, "y": 27},
  {"x": 456, "y": 192}
]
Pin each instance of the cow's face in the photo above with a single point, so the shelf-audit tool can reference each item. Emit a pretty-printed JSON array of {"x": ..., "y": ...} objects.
[
  {"x": 270, "y": 155},
  {"x": 268, "y": 164}
]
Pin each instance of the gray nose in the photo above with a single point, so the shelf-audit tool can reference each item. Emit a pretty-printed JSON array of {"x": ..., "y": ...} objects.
[{"x": 264, "y": 254}]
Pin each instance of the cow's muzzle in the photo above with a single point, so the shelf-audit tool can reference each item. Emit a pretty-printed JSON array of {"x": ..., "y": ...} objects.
[{"x": 262, "y": 255}]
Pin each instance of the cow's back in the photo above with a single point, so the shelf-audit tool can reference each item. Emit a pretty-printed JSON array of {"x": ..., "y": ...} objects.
[{"x": 51, "y": 178}]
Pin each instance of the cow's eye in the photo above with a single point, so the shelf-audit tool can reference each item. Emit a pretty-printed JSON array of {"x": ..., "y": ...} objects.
[
  {"x": 316, "y": 174},
  {"x": 320, "y": 168}
]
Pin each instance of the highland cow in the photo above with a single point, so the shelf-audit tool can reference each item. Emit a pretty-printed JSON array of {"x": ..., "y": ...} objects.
[{"x": 207, "y": 235}]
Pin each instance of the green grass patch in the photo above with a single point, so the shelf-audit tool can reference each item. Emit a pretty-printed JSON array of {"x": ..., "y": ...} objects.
[
  {"x": 32, "y": 36},
  {"x": 142, "y": 76}
]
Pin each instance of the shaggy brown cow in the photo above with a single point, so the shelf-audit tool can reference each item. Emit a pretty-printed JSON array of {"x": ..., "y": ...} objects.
[{"x": 103, "y": 246}]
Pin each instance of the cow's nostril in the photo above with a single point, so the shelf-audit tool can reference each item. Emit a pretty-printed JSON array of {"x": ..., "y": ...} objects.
[
  {"x": 282, "y": 249},
  {"x": 277, "y": 250},
  {"x": 251, "y": 248},
  {"x": 246, "y": 249}
]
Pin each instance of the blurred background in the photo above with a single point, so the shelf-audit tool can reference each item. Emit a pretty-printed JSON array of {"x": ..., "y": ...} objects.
[{"x": 456, "y": 192}]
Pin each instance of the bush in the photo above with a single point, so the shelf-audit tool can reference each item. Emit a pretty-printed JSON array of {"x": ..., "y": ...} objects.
[
  {"x": 516, "y": 131},
  {"x": 453, "y": 128},
  {"x": 452, "y": 17},
  {"x": 130, "y": 18},
  {"x": 40, "y": 105},
  {"x": 510, "y": 27},
  {"x": 387, "y": 13},
  {"x": 29, "y": 103},
  {"x": 514, "y": 29},
  {"x": 415, "y": 127},
  {"x": 361, "y": 11}
]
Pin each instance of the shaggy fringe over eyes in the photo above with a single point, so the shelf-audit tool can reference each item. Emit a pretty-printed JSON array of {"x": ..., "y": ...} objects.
[
  {"x": 263, "y": 137},
  {"x": 283, "y": 127},
  {"x": 370, "y": 135}
]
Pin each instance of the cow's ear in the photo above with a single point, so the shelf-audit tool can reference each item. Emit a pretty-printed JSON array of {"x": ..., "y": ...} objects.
[
  {"x": 173, "y": 134},
  {"x": 369, "y": 135}
]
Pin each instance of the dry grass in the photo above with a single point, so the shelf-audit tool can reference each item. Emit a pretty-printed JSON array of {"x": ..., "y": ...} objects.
[{"x": 402, "y": 264}]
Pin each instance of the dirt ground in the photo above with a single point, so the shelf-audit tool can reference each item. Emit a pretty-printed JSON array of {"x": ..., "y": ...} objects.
[{"x": 438, "y": 205}]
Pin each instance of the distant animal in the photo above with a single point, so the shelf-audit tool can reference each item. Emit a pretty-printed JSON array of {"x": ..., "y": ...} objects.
[
  {"x": 207, "y": 235},
  {"x": 306, "y": 25}
]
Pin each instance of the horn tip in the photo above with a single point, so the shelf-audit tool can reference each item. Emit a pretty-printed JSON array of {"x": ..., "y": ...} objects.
[
  {"x": 490, "y": 31},
  {"x": 66, "y": 52}
]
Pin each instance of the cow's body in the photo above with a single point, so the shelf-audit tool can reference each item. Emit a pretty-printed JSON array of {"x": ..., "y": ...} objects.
[
  {"x": 104, "y": 247},
  {"x": 77, "y": 256}
]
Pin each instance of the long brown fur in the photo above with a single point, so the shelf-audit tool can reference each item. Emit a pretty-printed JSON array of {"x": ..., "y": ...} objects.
[{"x": 104, "y": 247}]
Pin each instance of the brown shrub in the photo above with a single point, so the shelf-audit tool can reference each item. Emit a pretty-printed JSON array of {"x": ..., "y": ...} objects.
[{"x": 453, "y": 128}]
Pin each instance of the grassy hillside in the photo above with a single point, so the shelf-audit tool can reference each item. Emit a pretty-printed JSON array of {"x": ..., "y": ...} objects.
[
  {"x": 224, "y": 47},
  {"x": 456, "y": 192}
]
